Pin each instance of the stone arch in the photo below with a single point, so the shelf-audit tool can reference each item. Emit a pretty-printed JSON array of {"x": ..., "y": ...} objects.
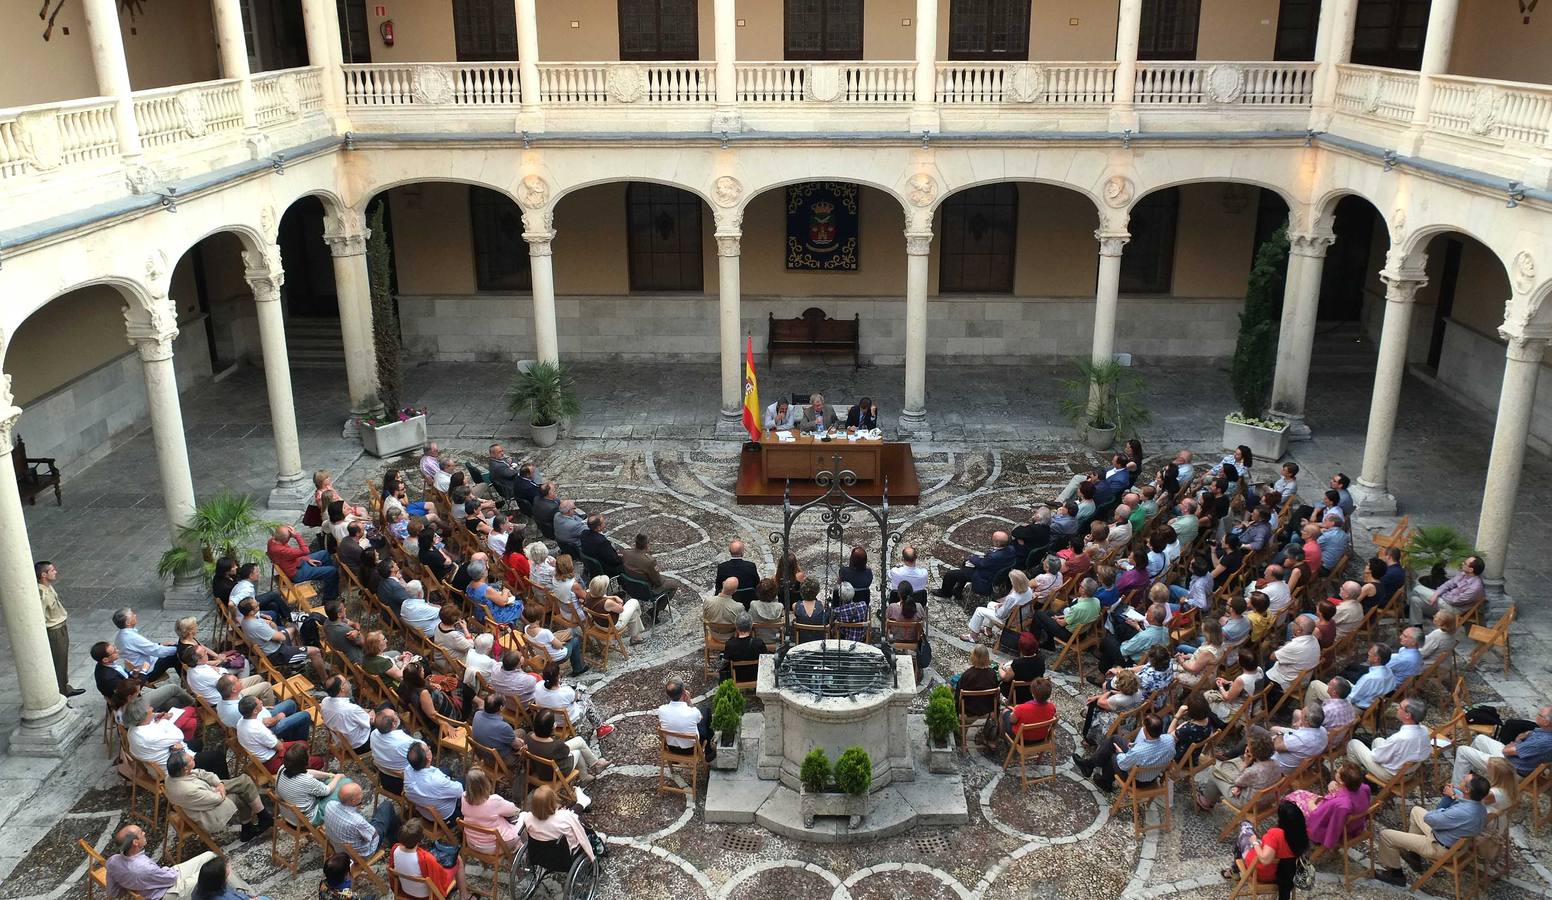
[
  {"x": 137, "y": 302},
  {"x": 874, "y": 183},
  {"x": 557, "y": 193},
  {"x": 1414, "y": 245},
  {"x": 960, "y": 188},
  {"x": 373, "y": 191},
  {"x": 1145, "y": 190},
  {"x": 1324, "y": 209},
  {"x": 252, "y": 240}
]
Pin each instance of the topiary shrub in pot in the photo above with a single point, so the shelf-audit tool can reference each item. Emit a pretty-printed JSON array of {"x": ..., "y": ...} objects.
[
  {"x": 942, "y": 724},
  {"x": 1255, "y": 356},
  {"x": 727, "y": 715}
]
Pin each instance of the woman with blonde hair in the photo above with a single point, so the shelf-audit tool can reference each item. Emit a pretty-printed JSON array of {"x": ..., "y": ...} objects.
[
  {"x": 488, "y": 810},
  {"x": 623, "y": 615},
  {"x": 566, "y": 589},
  {"x": 995, "y": 614},
  {"x": 187, "y": 630},
  {"x": 546, "y": 820},
  {"x": 1443, "y": 638}
]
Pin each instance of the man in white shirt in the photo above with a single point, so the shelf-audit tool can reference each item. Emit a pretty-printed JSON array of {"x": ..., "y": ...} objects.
[
  {"x": 343, "y": 717},
  {"x": 417, "y": 611},
  {"x": 1411, "y": 743},
  {"x": 1120, "y": 533},
  {"x": 285, "y": 718},
  {"x": 390, "y": 751},
  {"x": 1299, "y": 655},
  {"x": 204, "y": 680},
  {"x": 428, "y": 787},
  {"x": 151, "y": 736},
  {"x": 1275, "y": 586},
  {"x": 677, "y": 715},
  {"x": 500, "y": 527},
  {"x": 139, "y": 650},
  {"x": 1305, "y": 739},
  {"x": 254, "y": 735},
  {"x": 908, "y": 571}
]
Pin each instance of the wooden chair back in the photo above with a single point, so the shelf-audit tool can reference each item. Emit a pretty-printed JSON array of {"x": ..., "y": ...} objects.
[
  {"x": 1140, "y": 787},
  {"x": 1024, "y": 748},
  {"x": 398, "y": 879},
  {"x": 668, "y": 760},
  {"x": 966, "y": 719},
  {"x": 543, "y": 772},
  {"x": 805, "y": 633},
  {"x": 605, "y": 634},
  {"x": 1494, "y": 639},
  {"x": 292, "y": 821}
]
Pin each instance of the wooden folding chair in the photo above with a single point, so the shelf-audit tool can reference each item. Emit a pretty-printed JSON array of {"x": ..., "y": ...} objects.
[
  {"x": 1294, "y": 693},
  {"x": 97, "y": 872},
  {"x": 1083, "y": 639},
  {"x": 1257, "y": 806},
  {"x": 1399, "y": 536},
  {"x": 300, "y": 596},
  {"x": 1398, "y": 785},
  {"x": 361, "y": 867},
  {"x": 1352, "y": 839},
  {"x": 544, "y": 773},
  {"x": 1140, "y": 787},
  {"x": 141, "y": 777},
  {"x": 300, "y": 828},
  {"x": 1534, "y": 786},
  {"x": 745, "y": 674},
  {"x": 668, "y": 760},
  {"x": 496, "y": 860},
  {"x": 805, "y": 633},
  {"x": 966, "y": 720},
  {"x": 436, "y": 827},
  {"x": 1491, "y": 639},
  {"x": 1247, "y": 885},
  {"x": 398, "y": 879},
  {"x": 1024, "y": 750},
  {"x": 1458, "y": 861},
  {"x": 715, "y": 640},
  {"x": 605, "y": 634}
]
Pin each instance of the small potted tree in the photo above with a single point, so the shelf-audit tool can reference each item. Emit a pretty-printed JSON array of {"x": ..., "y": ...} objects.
[
  {"x": 1103, "y": 400},
  {"x": 1435, "y": 548},
  {"x": 398, "y": 429},
  {"x": 942, "y": 725},
  {"x": 226, "y": 524},
  {"x": 1255, "y": 356},
  {"x": 727, "y": 716},
  {"x": 546, "y": 393}
]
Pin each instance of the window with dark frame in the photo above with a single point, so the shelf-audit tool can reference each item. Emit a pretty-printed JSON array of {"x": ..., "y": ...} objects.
[
  {"x": 1297, "y": 23},
  {"x": 1169, "y": 29},
  {"x": 988, "y": 29},
  {"x": 1390, "y": 33},
  {"x": 485, "y": 30},
  {"x": 1148, "y": 262},
  {"x": 659, "y": 29},
  {"x": 500, "y": 253},
  {"x": 823, "y": 29},
  {"x": 979, "y": 232},
  {"x": 663, "y": 230}
]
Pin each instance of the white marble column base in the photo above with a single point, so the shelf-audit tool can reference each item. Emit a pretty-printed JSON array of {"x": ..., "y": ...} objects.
[
  {"x": 51, "y": 732},
  {"x": 914, "y": 424},
  {"x": 291, "y": 492},
  {"x": 1372, "y": 499},
  {"x": 1298, "y": 429},
  {"x": 730, "y": 424},
  {"x": 187, "y": 592}
]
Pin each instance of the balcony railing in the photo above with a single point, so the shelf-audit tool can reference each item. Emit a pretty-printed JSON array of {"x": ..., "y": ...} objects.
[
  {"x": 1224, "y": 84},
  {"x": 1041, "y": 84},
  {"x": 608, "y": 84},
  {"x": 188, "y": 112},
  {"x": 49, "y": 136},
  {"x": 849, "y": 83},
  {"x": 1386, "y": 94},
  {"x": 288, "y": 95},
  {"x": 1477, "y": 109},
  {"x": 432, "y": 84}
]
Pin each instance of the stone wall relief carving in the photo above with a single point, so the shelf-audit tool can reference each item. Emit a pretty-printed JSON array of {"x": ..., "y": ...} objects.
[
  {"x": 1118, "y": 191},
  {"x": 533, "y": 192},
  {"x": 727, "y": 191},
  {"x": 922, "y": 189}
]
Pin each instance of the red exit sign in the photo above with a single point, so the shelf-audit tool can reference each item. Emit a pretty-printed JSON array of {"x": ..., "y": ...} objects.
[{"x": 380, "y": 11}]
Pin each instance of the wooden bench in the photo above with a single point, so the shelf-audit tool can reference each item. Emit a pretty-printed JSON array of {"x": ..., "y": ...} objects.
[
  {"x": 34, "y": 475},
  {"x": 814, "y": 332}
]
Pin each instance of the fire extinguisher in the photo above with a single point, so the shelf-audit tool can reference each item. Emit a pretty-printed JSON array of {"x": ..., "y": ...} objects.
[{"x": 386, "y": 30}]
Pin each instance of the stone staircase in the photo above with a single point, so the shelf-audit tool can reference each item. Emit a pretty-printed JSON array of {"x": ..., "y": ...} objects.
[
  {"x": 315, "y": 344},
  {"x": 1342, "y": 347}
]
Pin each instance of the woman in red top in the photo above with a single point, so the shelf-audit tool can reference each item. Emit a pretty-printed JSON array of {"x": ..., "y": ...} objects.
[
  {"x": 1273, "y": 855},
  {"x": 1038, "y": 710}
]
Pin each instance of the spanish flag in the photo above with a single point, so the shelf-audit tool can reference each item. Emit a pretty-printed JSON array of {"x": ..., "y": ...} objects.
[{"x": 751, "y": 394}]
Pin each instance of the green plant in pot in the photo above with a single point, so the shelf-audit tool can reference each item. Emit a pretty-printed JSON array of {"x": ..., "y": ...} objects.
[
  {"x": 815, "y": 771},
  {"x": 854, "y": 771},
  {"x": 546, "y": 393},
  {"x": 1436, "y": 548},
  {"x": 1104, "y": 400},
  {"x": 942, "y": 719},
  {"x": 1255, "y": 355},
  {"x": 226, "y": 524},
  {"x": 727, "y": 712}
]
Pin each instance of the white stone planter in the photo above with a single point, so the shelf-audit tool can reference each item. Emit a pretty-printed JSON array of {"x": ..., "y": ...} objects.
[
  {"x": 1265, "y": 443},
  {"x": 1099, "y": 438},
  {"x": 727, "y": 755},
  {"x": 544, "y": 435},
  {"x": 827, "y": 803},
  {"x": 395, "y": 438},
  {"x": 942, "y": 760}
]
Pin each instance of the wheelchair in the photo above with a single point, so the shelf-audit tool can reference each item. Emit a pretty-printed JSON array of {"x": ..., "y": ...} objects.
[{"x": 539, "y": 861}]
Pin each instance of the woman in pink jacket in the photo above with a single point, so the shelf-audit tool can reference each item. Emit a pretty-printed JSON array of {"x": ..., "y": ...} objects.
[{"x": 483, "y": 807}]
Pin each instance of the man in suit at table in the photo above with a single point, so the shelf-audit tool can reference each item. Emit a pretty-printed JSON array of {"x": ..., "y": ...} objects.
[
  {"x": 780, "y": 416},
  {"x": 863, "y": 416},
  {"x": 819, "y": 415},
  {"x": 735, "y": 566}
]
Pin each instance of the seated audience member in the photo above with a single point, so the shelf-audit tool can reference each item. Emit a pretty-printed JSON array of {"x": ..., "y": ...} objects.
[
  {"x": 414, "y": 854},
  {"x": 139, "y": 650},
  {"x": 1293, "y": 659},
  {"x": 111, "y": 669},
  {"x": 289, "y": 553},
  {"x": 261, "y": 742},
  {"x": 561, "y": 646},
  {"x": 980, "y": 676},
  {"x": 285, "y": 717},
  {"x": 427, "y": 787},
  {"x": 720, "y": 610},
  {"x": 596, "y": 546},
  {"x": 491, "y": 730},
  {"x": 512, "y": 681},
  {"x": 849, "y": 613},
  {"x": 452, "y": 633},
  {"x": 341, "y": 632},
  {"x": 622, "y": 613},
  {"x": 1529, "y": 749},
  {"x": 1241, "y": 778},
  {"x": 342, "y": 716},
  {"x": 1430, "y": 835},
  {"x": 1153, "y": 749},
  {"x": 681, "y": 719},
  {"x": 212, "y": 802},
  {"x": 979, "y": 571},
  {"x": 1228, "y": 696},
  {"x": 552, "y": 694},
  {"x": 1273, "y": 854},
  {"x": 741, "y": 647},
  {"x": 908, "y": 571},
  {"x": 1457, "y": 594},
  {"x": 308, "y": 789},
  {"x": 1037, "y": 710},
  {"x": 1334, "y": 543},
  {"x": 152, "y": 737},
  {"x": 1102, "y": 709},
  {"x": 1339, "y": 711},
  {"x": 1082, "y": 612},
  {"x": 1191, "y": 668},
  {"x": 856, "y": 572},
  {"x": 245, "y": 584},
  {"x": 1443, "y": 638},
  {"x": 204, "y": 679},
  {"x": 1305, "y": 738},
  {"x": 344, "y": 823},
  {"x": 496, "y": 602},
  {"x": 640, "y": 564},
  {"x": 418, "y": 612},
  {"x": 572, "y": 753},
  {"x": 1411, "y": 743},
  {"x": 130, "y": 870},
  {"x": 278, "y": 645},
  {"x": 1192, "y": 724},
  {"x": 1408, "y": 659},
  {"x": 736, "y": 567},
  {"x": 390, "y": 750},
  {"x": 766, "y": 609},
  {"x": 1374, "y": 682},
  {"x": 546, "y": 820},
  {"x": 1328, "y": 815},
  {"x": 483, "y": 807},
  {"x": 986, "y": 619}
]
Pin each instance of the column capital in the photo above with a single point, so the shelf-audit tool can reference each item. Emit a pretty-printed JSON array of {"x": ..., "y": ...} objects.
[
  {"x": 151, "y": 330},
  {"x": 1402, "y": 284},
  {"x": 346, "y": 233},
  {"x": 1311, "y": 244},
  {"x": 728, "y": 241},
  {"x": 263, "y": 272},
  {"x": 1111, "y": 243},
  {"x": 539, "y": 242},
  {"x": 1522, "y": 348},
  {"x": 918, "y": 243},
  {"x": 9, "y": 414}
]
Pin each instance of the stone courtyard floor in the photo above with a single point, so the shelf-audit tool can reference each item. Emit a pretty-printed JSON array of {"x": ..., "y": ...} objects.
[{"x": 645, "y": 453}]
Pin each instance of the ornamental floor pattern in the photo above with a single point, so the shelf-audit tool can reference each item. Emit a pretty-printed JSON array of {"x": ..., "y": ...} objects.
[{"x": 1053, "y": 840}]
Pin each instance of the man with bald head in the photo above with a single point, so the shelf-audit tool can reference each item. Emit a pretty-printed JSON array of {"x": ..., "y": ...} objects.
[
  {"x": 346, "y": 826},
  {"x": 737, "y": 568},
  {"x": 720, "y": 610},
  {"x": 979, "y": 571}
]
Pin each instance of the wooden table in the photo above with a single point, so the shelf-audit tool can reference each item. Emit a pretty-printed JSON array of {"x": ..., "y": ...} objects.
[{"x": 804, "y": 458}]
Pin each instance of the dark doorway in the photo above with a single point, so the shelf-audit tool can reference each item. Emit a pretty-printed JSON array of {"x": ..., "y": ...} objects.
[
  {"x": 1449, "y": 279},
  {"x": 1297, "y": 22},
  {"x": 355, "y": 38},
  {"x": 309, "y": 290},
  {"x": 1347, "y": 267}
]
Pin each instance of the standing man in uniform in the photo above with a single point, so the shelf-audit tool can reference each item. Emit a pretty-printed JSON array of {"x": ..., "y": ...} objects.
[{"x": 56, "y": 620}]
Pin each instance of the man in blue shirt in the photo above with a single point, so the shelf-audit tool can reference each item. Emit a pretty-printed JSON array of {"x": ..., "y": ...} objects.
[
  {"x": 1334, "y": 541},
  {"x": 1527, "y": 751},
  {"x": 1460, "y": 817},
  {"x": 428, "y": 787},
  {"x": 1407, "y": 660},
  {"x": 1154, "y": 749},
  {"x": 1376, "y": 682},
  {"x": 1340, "y": 484},
  {"x": 139, "y": 650},
  {"x": 1112, "y": 653}
]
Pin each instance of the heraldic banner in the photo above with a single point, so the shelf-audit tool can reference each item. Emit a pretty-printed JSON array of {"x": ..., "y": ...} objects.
[{"x": 822, "y": 232}]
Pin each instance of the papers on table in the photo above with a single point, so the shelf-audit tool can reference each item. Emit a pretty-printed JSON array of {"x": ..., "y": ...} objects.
[{"x": 785, "y": 437}]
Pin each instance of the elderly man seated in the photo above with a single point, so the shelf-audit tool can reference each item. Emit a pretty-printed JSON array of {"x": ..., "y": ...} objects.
[
  {"x": 390, "y": 750},
  {"x": 131, "y": 871},
  {"x": 1376, "y": 681},
  {"x": 719, "y": 611},
  {"x": 1457, "y": 594},
  {"x": 1305, "y": 738},
  {"x": 342, "y": 716},
  {"x": 418, "y": 612},
  {"x": 286, "y": 719},
  {"x": 152, "y": 737},
  {"x": 276, "y": 644},
  {"x": 428, "y": 787},
  {"x": 140, "y": 651},
  {"x": 1528, "y": 750},
  {"x": 1297, "y": 656},
  {"x": 678, "y": 717},
  {"x": 512, "y": 681},
  {"x": 212, "y": 802},
  {"x": 979, "y": 571},
  {"x": 1411, "y": 743},
  {"x": 204, "y": 679},
  {"x": 1430, "y": 835},
  {"x": 346, "y": 826},
  {"x": 492, "y": 731},
  {"x": 1154, "y": 749}
]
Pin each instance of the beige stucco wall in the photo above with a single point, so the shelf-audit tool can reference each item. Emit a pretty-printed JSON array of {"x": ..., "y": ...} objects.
[
  {"x": 431, "y": 238},
  {"x": 36, "y": 71},
  {"x": 67, "y": 338},
  {"x": 1053, "y": 36},
  {"x": 1212, "y": 244},
  {"x": 423, "y": 32},
  {"x": 1237, "y": 29},
  {"x": 1492, "y": 41}
]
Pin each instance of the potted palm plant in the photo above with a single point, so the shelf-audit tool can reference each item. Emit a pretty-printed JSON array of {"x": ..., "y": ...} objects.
[
  {"x": 727, "y": 716},
  {"x": 942, "y": 724},
  {"x": 1435, "y": 548},
  {"x": 1104, "y": 399},
  {"x": 1255, "y": 356},
  {"x": 546, "y": 393},
  {"x": 226, "y": 524},
  {"x": 398, "y": 429}
]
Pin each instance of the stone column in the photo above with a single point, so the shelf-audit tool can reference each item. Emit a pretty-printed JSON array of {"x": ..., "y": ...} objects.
[
  {"x": 730, "y": 321},
  {"x": 1436, "y": 61},
  {"x": 918, "y": 244},
  {"x": 233, "y": 51},
  {"x": 1123, "y": 115},
  {"x": 1401, "y": 285},
  {"x": 725, "y": 34},
  {"x": 107, "y": 43},
  {"x": 346, "y": 235},
  {"x": 924, "y": 111},
  {"x": 1106, "y": 297},
  {"x": 531, "y": 117},
  {"x": 154, "y": 342},
  {"x": 1333, "y": 47},
  {"x": 539, "y": 236},
  {"x": 48, "y": 727},
  {"x": 1296, "y": 340},
  {"x": 265, "y": 277},
  {"x": 1516, "y": 401},
  {"x": 320, "y": 23}
]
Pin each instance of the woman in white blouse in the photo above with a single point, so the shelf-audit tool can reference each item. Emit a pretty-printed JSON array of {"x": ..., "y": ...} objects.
[
  {"x": 991, "y": 616},
  {"x": 552, "y": 693},
  {"x": 1443, "y": 638}
]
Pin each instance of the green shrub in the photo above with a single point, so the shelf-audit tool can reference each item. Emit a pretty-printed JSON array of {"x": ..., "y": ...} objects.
[
  {"x": 815, "y": 773},
  {"x": 854, "y": 771},
  {"x": 941, "y": 690},
  {"x": 942, "y": 719},
  {"x": 1436, "y": 545},
  {"x": 727, "y": 709},
  {"x": 1255, "y": 352}
]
